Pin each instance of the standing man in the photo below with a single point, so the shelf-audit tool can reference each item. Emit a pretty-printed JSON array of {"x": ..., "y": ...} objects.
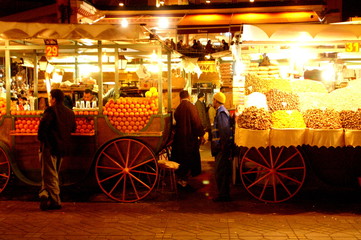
[
  {"x": 187, "y": 138},
  {"x": 201, "y": 108},
  {"x": 221, "y": 148},
  {"x": 54, "y": 134}
]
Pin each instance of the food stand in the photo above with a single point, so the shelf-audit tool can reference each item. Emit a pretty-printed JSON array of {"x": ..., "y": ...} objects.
[
  {"x": 290, "y": 125},
  {"x": 117, "y": 143}
]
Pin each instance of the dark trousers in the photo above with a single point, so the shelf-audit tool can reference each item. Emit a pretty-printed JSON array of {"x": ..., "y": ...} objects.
[{"x": 223, "y": 173}]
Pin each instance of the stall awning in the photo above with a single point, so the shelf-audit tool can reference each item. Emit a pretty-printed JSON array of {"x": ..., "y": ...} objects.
[
  {"x": 301, "y": 32},
  {"x": 213, "y": 23},
  {"x": 18, "y": 30}
]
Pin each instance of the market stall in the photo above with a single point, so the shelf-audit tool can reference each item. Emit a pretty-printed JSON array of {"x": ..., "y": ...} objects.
[
  {"x": 119, "y": 135},
  {"x": 295, "y": 117}
]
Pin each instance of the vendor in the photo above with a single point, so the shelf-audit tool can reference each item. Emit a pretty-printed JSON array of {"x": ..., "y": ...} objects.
[{"x": 89, "y": 96}]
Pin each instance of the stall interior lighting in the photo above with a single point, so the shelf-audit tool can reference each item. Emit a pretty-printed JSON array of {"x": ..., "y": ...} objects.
[
  {"x": 122, "y": 62},
  {"x": 124, "y": 23},
  {"x": 163, "y": 22},
  {"x": 43, "y": 62}
]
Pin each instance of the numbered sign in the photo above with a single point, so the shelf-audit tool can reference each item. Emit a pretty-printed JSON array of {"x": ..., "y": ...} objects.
[
  {"x": 52, "y": 47},
  {"x": 52, "y": 50},
  {"x": 352, "y": 47}
]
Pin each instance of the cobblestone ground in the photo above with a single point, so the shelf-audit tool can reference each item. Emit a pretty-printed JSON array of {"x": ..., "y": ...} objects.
[{"x": 317, "y": 212}]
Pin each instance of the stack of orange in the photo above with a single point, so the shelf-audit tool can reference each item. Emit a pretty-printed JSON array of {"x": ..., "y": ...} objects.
[
  {"x": 84, "y": 125},
  {"x": 128, "y": 114},
  {"x": 26, "y": 112},
  {"x": 27, "y": 124},
  {"x": 87, "y": 112},
  {"x": 3, "y": 106}
]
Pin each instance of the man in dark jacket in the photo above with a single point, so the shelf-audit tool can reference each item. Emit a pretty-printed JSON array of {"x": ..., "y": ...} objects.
[
  {"x": 187, "y": 138},
  {"x": 203, "y": 115},
  {"x": 54, "y": 134}
]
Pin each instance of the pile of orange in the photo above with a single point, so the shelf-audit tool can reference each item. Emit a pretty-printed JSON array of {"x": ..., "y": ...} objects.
[
  {"x": 91, "y": 112},
  {"x": 2, "y": 106},
  {"x": 84, "y": 125},
  {"x": 26, "y": 112},
  {"x": 129, "y": 114},
  {"x": 27, "y": 124}
]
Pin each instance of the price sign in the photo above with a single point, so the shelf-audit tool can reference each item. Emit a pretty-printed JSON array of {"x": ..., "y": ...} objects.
[
  {"x": 52, "y": 47},
  {"x": 352, "y": 47}
]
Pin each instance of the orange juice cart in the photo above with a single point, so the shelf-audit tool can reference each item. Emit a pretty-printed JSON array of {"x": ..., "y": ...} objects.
[{"x": 118, "y": 142}]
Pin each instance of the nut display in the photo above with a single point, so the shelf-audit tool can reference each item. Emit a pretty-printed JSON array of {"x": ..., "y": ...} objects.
[
  {"x": 312, "y": 100},
  {"x": 254, "y": 118},
  {"x": 256, "y": 83},
  {"x": 287, "y": 119},
  {"x": 308, "y": 86},
  {"x": 279, "y": 100},
  {"x": 348, "y": 98},
  {"x": 322, "y": 119},
  {"x": 351, "y": 119}
]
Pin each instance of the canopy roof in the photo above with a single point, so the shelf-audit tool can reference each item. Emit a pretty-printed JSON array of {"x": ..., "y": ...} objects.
[
  {"x": 301, "y": 32},
  {"x": 20, "y": 30}
]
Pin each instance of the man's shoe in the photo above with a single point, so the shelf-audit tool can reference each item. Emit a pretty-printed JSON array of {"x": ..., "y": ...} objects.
[
  {"x": 182, "y": 183},
  {"x": 221, "y": 199},
  {"x": 44, "y": 203},
  {"x": 54, "y": 207}
]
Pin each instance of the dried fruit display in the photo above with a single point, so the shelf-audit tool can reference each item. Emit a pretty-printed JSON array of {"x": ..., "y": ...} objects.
[
  {"x": 279, "y": 100},
  {"x": 254, "y": 118},
  {"x": 322, "y": 119},
  {"x": 308, "y": 86},
  {"x": 351, "y": 119},
  {"x": 256, "y": 99},
  {"x": 312, "y": 100},
  {"x": 256, "y": 83},
  {"x": 348, "y": 98},
  {"x": 287, "y": 119}
]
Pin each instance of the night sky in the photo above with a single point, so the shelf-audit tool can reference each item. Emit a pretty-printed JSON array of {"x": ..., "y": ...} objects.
[{"x": 351, "y": 8}]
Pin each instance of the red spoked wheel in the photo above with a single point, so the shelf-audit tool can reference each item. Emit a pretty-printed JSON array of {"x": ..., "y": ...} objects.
[
  {"x": 4, "y": 169},
  {"x": 273, "y": 174},
  {"x": 126, "y": 170}
]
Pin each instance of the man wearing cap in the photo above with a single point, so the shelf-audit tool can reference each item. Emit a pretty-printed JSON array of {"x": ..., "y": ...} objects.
[
  {"x": 187, "y": 138},
  {"x": 221, "y": 148},
  {"x": 201, "y": 107}
]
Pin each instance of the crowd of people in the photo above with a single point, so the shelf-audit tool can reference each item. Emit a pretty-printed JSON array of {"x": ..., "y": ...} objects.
[
  {"x": 196, "y": 45},
  {"x": 193, "y": 122}
]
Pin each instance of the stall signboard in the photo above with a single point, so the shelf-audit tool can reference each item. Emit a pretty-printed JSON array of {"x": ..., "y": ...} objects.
[
  {"x": 352, "y": 47},
  {"x": 51, "y": 47},
  {"x": 207, "y": 66}
]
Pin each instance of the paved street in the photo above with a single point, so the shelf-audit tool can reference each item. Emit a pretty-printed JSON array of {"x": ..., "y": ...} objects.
[{"x": 316, "y": 212}]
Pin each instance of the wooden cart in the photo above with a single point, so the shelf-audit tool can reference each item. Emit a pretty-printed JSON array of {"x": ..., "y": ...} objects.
[
  {"x": 273, "y": 163},
  {"x": 124, "y": 163}
]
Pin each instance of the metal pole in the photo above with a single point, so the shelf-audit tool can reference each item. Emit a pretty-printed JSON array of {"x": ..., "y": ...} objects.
[
  {"x": 7, "y": 76},
  {"x": 100, "y": 78}
]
